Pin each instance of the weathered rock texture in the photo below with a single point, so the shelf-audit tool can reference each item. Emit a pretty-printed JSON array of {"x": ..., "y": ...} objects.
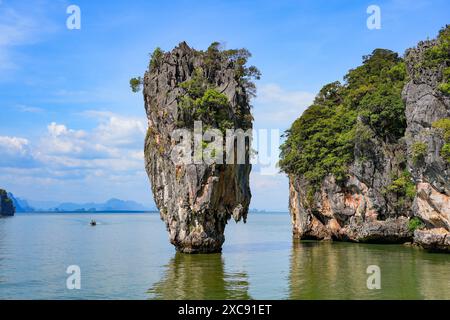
[
  {"x": 426, "y": 104},
  {"x": 436, "y": 239},
  {"x": 358, "y": 211},
  {"x": 6, "y": 205},
  {"x": 195, "y": 200},
  {"x": 361, "y": 210}
]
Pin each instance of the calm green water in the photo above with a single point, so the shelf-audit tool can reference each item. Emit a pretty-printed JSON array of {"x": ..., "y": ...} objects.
[{"x": 127, "y": 256}]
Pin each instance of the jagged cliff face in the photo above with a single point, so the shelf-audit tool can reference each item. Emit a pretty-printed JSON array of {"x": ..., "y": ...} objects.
[
  {"x": 357, "y": 211},
  {"x": 6, "y": 205},
  {"x": 361, "y": 208},
  {"x": 358, "y": 199},
  {"x": 390, "y": 181},
  {"x": 426, "y": 104},
  {"x": 195, "y": 199}
]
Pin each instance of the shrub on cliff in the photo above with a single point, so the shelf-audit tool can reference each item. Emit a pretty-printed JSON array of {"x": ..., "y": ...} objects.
[
  {"x": 322, "y": 140},
  {"x": 155, "y": 58},
  {"x": 438, "y": 55},
  {"x": 414, "y": 224},
  {"x": 374, "y": 89},
  {"x": 244, "y": 74},
  {"x": 135, "y": 84},
  {"x": 202, "y": 101},
  {"x": 444, "y": 126},
  {"x": 403, "y": 186},
  {"x": 155, "y": 61},
  {"x": 419, "y": 151}
]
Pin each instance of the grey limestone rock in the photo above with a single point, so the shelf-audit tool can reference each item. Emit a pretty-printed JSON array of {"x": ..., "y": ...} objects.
[{"x": 195, "y": 199}]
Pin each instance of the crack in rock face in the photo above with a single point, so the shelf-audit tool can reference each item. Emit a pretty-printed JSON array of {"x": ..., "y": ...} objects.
[{"x": 196, "y": 198}]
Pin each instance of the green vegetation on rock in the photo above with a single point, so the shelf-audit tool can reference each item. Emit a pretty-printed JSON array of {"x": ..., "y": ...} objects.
[
  {"x": 155, "y": 58},
  {"x": 239, "y": 58},
  {"x": 135, "y": 84},
  {"x": 403, "y": 186},
  {"x": 444, "y": 125},
  {"x": 414, "y": 224},
  {"x": 439, "y": 55},
  {"x": 201, "y": 100},
  {"x": 369, "y": 103},
  {"x": 419, "y": 151},
  {"x": 155, "y": 61},
  {"x": 445, "y": 152}
]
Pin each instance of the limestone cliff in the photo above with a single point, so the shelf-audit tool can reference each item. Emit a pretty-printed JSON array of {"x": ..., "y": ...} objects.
[
  {"x": 367, "y": 161},
  {"x": 197, "y": 198},
  {"x": 427, "y": 105},
  {"x": 6, "y": 205}
]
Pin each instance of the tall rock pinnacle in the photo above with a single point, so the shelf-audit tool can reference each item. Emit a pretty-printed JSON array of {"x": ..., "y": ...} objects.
[{"x": 194, "y": 92}]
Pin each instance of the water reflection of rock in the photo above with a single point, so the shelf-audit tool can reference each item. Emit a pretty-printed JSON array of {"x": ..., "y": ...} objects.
[
  {"x": 338, "y": 271},
  {"x": 434, "y": 276},
  {"x": 192, "y": 277}
]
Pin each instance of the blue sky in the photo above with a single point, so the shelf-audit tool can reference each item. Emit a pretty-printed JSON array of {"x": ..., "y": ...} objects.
[{"x": 70, "y": 128}]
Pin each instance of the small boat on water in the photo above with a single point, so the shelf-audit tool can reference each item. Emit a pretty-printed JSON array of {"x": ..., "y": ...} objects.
[{"x": 93, "y": 223}]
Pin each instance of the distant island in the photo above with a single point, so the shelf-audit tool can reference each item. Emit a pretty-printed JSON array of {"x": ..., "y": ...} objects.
[
  {"x": 112, "y": 205},
  {"x": 6, "y": 204}
]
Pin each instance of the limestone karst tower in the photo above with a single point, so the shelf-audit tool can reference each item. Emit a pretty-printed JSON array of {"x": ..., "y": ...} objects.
[{"x": 197, "y": 198}]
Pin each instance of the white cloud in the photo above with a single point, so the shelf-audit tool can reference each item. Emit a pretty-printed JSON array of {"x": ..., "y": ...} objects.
[
  {"x": 15, "y": 152},
  {"x": 13, "y": 145},
  {"x": 278, "y": 107},
  {"x": 61, "y": 140},
  {"x": 116, "y": 139},
  {"x": 114, "y": 145},
  {"x": 119, "y": 131}
]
